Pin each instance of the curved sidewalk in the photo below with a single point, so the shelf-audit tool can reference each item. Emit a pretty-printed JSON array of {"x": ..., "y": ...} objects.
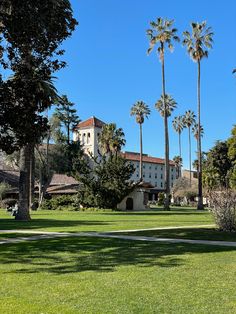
[{"x": 39, "y": 235}]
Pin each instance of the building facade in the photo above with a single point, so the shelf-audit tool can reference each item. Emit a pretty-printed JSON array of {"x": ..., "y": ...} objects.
[{"x": 88, "y": 132}]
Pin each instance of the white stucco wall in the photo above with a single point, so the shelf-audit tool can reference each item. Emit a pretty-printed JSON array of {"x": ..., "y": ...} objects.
[{"x": 138, "y": 200}]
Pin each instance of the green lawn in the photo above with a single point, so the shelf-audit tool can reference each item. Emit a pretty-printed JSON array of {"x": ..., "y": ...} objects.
[
  {"x": 187, "y": 233},
  {"x": 91, "y": 275},
  {"x": 105, "y": 221},
  {"x": 103, "y": 275}
]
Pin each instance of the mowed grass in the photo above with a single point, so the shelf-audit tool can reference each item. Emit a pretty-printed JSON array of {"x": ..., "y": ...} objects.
[
  {"x": 69, "y": 221},
  {"x": 91, "y": 275},
  {"x": 188, "y": 233},
  {"x": 102, "y": 275}
]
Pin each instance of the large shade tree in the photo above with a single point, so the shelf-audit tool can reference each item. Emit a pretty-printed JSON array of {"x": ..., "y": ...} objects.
[
  {"x": 198, "y": 42},
  {"x": 141, "y": 111},
  {"x": 162, "y": 34},
  {"x": 31, "y": 34}
]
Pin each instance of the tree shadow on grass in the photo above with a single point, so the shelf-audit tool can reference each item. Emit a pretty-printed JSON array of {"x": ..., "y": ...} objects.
[
  {"x": 80, "y": 254},
  {"x": 158, "y": 213},
  {"x": 9, "y": 224},
  {"x": 188, "y": 233}
]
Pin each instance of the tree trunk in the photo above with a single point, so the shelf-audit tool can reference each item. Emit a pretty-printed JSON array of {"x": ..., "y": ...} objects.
[
  {"x": 32, "y": 175},
  {"x": 167, "y": 168},
  {"x": 190, "y": 157},
  {"x": 180, "y": 154},
  {"x": 141, "y": 154},
  {"x": 200, "y": 199},
  {"x": 24, "y": 185}
]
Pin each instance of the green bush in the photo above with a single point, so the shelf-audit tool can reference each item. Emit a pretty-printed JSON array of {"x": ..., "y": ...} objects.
[
  {"x": 59, "y": 203},
  {"x": 161, "y": 198},
  {"x": 8, "y": 202}
]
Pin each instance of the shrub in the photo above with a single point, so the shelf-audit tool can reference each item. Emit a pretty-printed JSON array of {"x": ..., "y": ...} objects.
[
  {"x": 59, "y": 202},
  {"x": 223, "y": 208},
  {"x": 8, "y": 202},
  {"x": 161, "y": 198}
]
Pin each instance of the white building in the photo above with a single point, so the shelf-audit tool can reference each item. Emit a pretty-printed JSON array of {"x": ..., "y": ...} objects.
[{"x": 88, "y": 133}]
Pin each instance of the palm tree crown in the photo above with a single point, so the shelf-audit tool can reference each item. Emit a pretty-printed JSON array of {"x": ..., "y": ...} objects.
[
  {"x": 111, "y": 139},
  {"x": 189, "y": 118},
  {"x": 169, "y": 103},
  {"x": 161, "y": 32},
  {"x": 178, "y": 124},
  {"x": 140, "y": 110},
  {"x": 199, "y": 41},
  {"x": 195, "y": 130}
]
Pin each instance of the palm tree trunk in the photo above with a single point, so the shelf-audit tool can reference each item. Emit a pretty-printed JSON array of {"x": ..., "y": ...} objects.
[
  {"x": 180, "y": 154},
  {"x": 200, "y": 200},
  {"x": 190, "y": 157},
  {"x": 167, "y": 169},
  {"x": 24, "y": 184},
  {"x": 141, "y": 153}
]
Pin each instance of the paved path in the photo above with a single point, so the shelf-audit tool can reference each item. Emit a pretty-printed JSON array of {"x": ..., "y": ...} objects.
[{"x": 49, "y": 235}]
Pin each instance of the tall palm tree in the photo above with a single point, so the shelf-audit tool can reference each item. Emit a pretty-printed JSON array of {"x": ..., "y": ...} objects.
[
  {"x": 198, "y": 43},
  {"x": 195, "y": 130},
  {"x": 162, "y": 34},
  {"x": 178, "y": 164},
  {"x": 111, "y": 139},
  {"x": 178, "y": 125},
  {"x": 165, "y": 106},
  {"x": 141, "y": 111},
  {"x": 189, "y": 120}
]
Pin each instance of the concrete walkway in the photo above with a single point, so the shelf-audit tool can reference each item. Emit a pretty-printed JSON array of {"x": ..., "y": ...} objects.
[{"x": 50, "y": 235}]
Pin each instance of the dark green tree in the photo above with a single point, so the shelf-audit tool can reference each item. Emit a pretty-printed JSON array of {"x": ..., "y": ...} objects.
[
  {"x": 67, "y": 115},
  {"x": 31, "y": 34},
  {"x": 108, "y": 184},
  {"x": 217, "y": 166}
]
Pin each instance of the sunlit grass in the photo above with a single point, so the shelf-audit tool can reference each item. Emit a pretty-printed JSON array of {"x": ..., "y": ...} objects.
[
  {"x": 70, "y": 221},
  {"x": 91, "y": 275}
]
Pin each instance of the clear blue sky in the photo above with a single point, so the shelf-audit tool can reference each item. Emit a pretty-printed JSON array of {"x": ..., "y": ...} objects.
[{"x": 109, "y": 70}]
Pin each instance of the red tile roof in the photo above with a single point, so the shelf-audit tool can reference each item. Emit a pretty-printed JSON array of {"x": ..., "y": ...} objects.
[
  {"x": 146, "y": 158},
  {"x": 90, "y": 122},
  {"x": 62, "y": 179}
]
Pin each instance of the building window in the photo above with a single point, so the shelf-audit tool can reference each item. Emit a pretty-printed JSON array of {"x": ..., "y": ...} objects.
[
  {"x": 161, "y": 176},
  {"x": 156, "y": 168},
  {"x": 144, "y": 175},
  {"x": 172, "y": 169},
  {"x": 137, "y": 175},
  {"x": 143, "y": 166},
  {"x": 155, "y": 184},
  {"x": 137, "y": 165},
  {"x": 155, "y": 175},
  {"x": 88, "y": 138},
  {"x": 161, "y": 168},
  {"x": 150, "y": 167},
  {"x": 172, "y": 177},
  {"x": 98, "y": 134},
  {"x": 150, "y": 175},
  {"x": 161, "y": 185}
]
